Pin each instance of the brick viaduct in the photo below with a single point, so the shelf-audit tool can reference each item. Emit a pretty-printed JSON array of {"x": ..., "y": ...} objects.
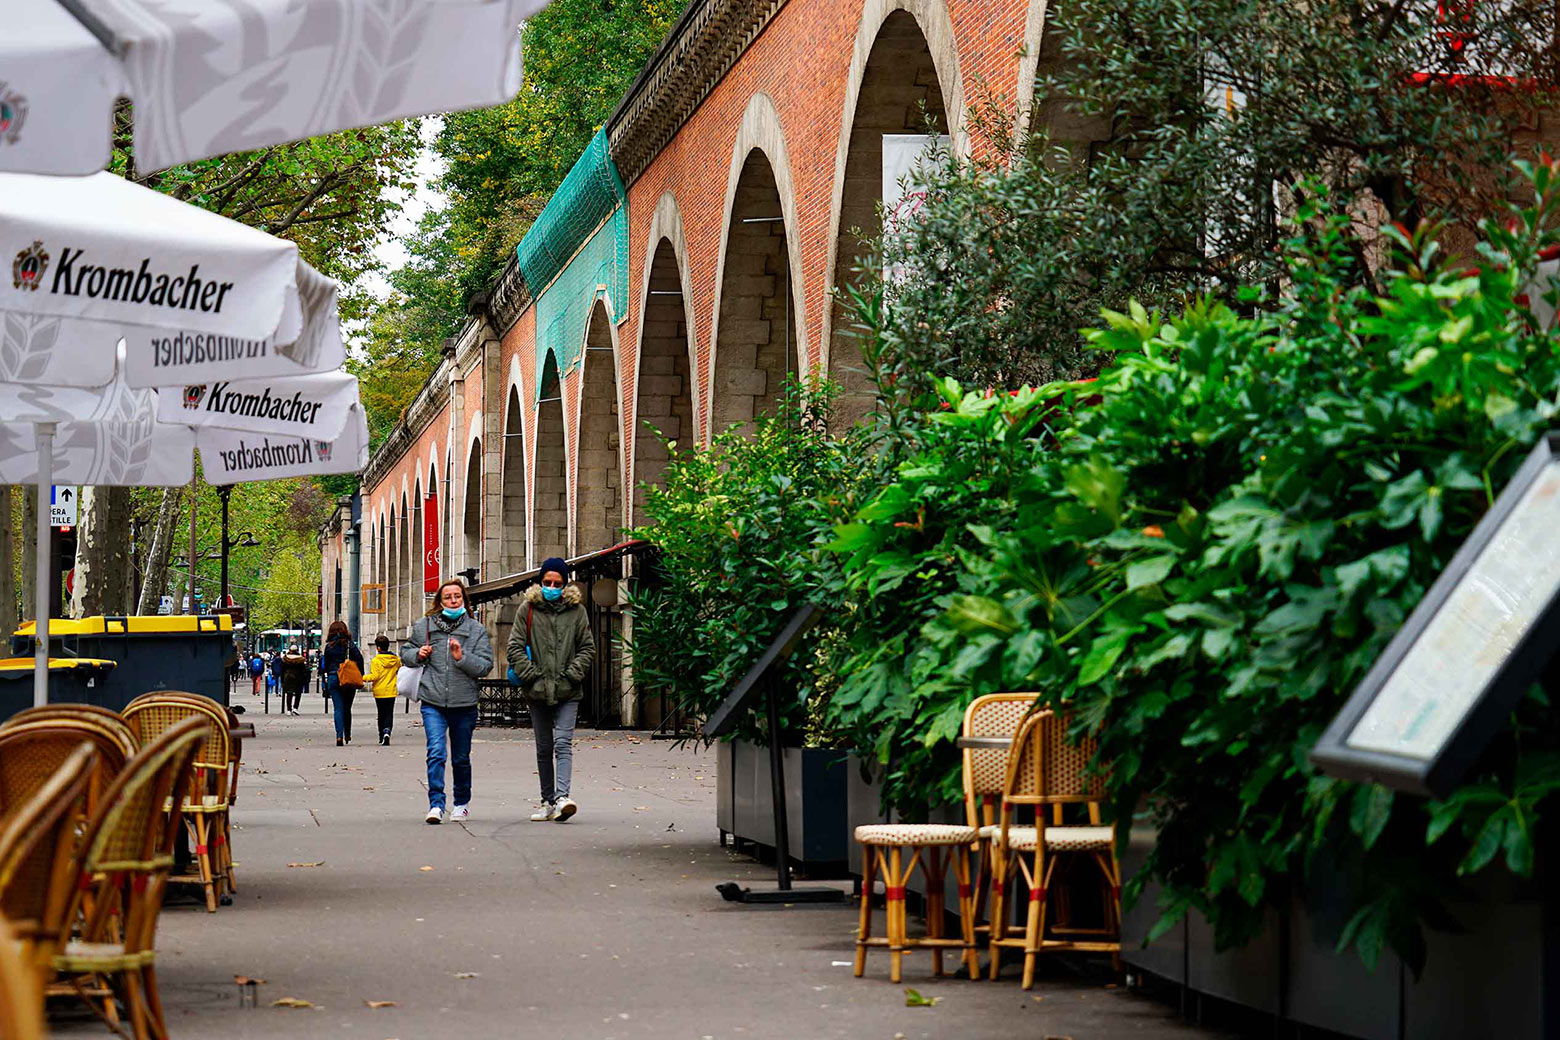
[{"x": 687, "y": 265}]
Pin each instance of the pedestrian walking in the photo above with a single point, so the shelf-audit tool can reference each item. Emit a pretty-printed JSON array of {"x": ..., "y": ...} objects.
[
  {"x": 381, "y": 679},
  {"x": 550, "y": 650},
  {"x": 273, "y": 671},
  {"x": 341, "y": 668},
  {"x": 453, "y": 651},
  {"x": 256, "y": 672},
  {"x": 295, "y": 676}
]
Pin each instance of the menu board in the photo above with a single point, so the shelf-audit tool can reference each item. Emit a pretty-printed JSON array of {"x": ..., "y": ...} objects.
[{"x": 1485, "y": 630}]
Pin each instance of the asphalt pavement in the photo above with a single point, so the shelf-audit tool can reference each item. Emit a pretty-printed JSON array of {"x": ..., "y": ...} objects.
[{"x": 608, "y": 927}]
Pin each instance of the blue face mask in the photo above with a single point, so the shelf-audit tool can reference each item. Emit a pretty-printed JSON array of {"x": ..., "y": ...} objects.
[
  {"x": 453, "y": 613},
  {"x": 551, "y": 594}
]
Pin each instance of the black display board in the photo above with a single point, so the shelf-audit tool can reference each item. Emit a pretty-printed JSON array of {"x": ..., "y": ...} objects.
[{"x": 1481, "y": 636}]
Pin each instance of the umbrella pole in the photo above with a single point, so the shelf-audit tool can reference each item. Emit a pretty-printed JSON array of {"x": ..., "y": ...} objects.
[{"x": 45, "y": 436}]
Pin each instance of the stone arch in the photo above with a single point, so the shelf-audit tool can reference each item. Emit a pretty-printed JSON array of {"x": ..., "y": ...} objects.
[
  {"x": 402, "y": 568},
  {"x": 414, "y": 572},
  {"x": 437, "y": 494},
  {"x": 512, "y": 540},
  {"x": 381, "y": 556},
  {"x": 549, "y": 484},
  {"x": 904, "y": 70},
  {"x": 759, "y": 327},
  {"x": 1029, "y": 63},
  {"x": 664, "y": 396},
  {"x": 471, "y": 512},
  {"x": 598, "y": 509}
]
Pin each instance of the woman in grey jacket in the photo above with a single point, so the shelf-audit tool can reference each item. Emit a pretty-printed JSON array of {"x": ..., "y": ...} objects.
[{"x": 453, "y": 650}]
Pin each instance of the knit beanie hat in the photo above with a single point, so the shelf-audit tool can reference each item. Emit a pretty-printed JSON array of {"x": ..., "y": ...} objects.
[{"x": 554, "y": 563}]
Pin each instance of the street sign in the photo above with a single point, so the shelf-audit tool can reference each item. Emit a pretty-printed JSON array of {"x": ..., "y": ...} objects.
[
  {"x": 236, "y": 613},
  {"x": 62, "y": 506},
  {"x": 165, "y": 605}
]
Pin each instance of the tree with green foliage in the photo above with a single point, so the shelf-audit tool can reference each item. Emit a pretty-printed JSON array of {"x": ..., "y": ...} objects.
[{"x": 1169, "y": 139}]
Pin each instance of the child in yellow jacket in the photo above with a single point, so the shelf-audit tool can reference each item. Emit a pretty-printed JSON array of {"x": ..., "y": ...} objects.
[{"x": 381, "y": 678}]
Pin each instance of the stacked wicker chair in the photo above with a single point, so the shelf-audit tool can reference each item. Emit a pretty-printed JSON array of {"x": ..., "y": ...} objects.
[
  {"x": 996, "y": 717},
  {"x": 1046, "y": 773},
  {"x": 38, "y": 847},
  {"x": 124, "y": 859},
  {"x": 205, "y": 807}
]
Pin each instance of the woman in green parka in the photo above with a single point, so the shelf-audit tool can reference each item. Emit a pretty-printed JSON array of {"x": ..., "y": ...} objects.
[{"x": 550, "y": 651}]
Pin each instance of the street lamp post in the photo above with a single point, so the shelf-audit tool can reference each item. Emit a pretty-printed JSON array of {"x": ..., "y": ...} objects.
[{"x": 245, "y": 541}]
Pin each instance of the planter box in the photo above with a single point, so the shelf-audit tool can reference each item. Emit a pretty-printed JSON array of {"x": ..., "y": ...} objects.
[{"x": 815, "y": 781}]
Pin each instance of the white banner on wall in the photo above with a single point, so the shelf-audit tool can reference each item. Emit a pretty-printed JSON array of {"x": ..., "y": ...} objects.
[{"x": 905, "y": 159}]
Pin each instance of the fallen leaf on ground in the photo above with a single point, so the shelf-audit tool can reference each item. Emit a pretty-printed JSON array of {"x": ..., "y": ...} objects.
[
  {"x": 368, "y": 788},
  {"x": 380, "y": 1003},
  {"x": 292, "y": 1002},
  {"x": 468, "y": 974},
  {"x": 245, "y": 980},
  {"x": 913, "y": 998},
  {"x": 316, "y": 863},
  {"x": 641, "y": 808},
  {"x": 424, "y": 868}
]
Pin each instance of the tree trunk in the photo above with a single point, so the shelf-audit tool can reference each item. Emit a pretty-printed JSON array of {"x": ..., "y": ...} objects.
[
  {"x": 9, "y": 602},
  {"x": 29, "y": 549},
  {"x": 161, "y": 550},
  {"x": 102, "y": 553}
]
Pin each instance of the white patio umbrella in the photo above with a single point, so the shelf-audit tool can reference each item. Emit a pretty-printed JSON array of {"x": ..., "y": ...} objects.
[
  {"x": 214, "y": 76},
  {"x": 112, "y": 436},
  {"x": 194, "y": 296}
]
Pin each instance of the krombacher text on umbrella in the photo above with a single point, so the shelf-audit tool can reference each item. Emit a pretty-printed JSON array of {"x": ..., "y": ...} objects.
[
  {"x": 287, "y": 453},
  {"x": 185, "y": 292},
  {"x": 262, "y": 405}
]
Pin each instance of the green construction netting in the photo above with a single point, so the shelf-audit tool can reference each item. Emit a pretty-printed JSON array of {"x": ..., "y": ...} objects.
[{"x": 576, "y": 251}]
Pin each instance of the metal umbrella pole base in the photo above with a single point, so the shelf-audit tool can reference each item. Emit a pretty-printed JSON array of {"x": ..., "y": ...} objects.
[{"x": 784, "y": 895}]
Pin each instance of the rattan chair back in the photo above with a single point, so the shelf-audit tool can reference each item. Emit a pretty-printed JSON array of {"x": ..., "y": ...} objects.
[
  {"x": 152, "y": 714},
  {"x": 1046, "y": 768},
  {"x": 21, "y": 992},
  {"x": 109, "y": 721},
  {"x": 111, "y": 756},
  {"x": 37, "y": 850},
  {"x": 985, "y": 769}
]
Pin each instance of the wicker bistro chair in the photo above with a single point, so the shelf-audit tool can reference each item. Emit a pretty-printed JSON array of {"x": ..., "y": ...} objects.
[
  {"x": 109, "y": 721},
  {"x": 64, "y": 732},
  {"x": 21, "y": 1003},
  {"x": 38, "y": 857},
  {"x": 127, "y": 849},
  {"x": 221, "y": 841},
  {"x": 206, "y": 802},
  {"x": 993, "y": 719},
  {"x": 1045, "y": 771}
]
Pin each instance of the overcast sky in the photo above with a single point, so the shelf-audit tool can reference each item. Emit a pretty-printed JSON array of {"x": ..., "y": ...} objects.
[{"x": 389, "y": 248}]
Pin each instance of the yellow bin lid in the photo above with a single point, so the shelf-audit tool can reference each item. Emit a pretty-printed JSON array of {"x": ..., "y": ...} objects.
[
  {"x": 10, "y": 665},
  {"x": 145, "y": 624}
]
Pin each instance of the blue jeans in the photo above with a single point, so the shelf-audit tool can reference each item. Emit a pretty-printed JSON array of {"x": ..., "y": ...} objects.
[
  {"x": 449, "y": 734},
  {"x": 554, "y": 729},
  {"x": 341, "y": 707}
]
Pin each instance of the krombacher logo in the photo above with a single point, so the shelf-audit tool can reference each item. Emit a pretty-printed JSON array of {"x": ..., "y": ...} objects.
[
  {"x": 224, "y": 401},
  {"x": 268, "y": 455},
  {"x": 139, "y": 285}
]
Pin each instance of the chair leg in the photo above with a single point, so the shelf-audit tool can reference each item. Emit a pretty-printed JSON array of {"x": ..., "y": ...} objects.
[
  {"x": 203, "y": 858},
  {"x": 135, "y": 1006},
  {"x": 1034, "y": 929},
  {"x": 864, "y": 928},
  {"x": 154, "y": 1002},
  {"x": 961, "y": 866},
  {"x": 895, "y": 906},
  {"x": 936, "y": 878},
  {"x": 999, "y": 873}
]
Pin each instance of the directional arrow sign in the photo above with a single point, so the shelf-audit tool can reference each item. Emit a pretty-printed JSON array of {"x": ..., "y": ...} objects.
[{"x": 62, "y": 506}]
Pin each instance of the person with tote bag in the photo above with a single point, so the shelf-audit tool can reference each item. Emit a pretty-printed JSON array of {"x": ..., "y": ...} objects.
[
  {"x": 341, "y": 666},
  {"x": 452, "y": 650}
]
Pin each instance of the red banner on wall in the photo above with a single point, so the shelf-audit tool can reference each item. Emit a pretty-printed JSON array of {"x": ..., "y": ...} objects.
[{"x": 431, "y": 558}]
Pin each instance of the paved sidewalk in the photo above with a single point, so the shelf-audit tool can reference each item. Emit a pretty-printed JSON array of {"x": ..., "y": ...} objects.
[{"x": 607, "y": 927}]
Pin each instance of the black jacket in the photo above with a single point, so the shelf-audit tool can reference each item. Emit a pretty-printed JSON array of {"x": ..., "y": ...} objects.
[{"x": 337, "y": 651}]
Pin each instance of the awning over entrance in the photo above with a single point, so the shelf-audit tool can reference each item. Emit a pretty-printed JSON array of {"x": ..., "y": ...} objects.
[{"x": 603, "y": 563}]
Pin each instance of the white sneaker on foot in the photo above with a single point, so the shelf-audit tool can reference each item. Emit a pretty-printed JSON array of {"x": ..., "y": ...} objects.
[
  {"x": 435, "y": 815},
  {"x": 546, "y": 811},
  {"x": 460, "y": 812},
  {"x": 566, "y": 809}
]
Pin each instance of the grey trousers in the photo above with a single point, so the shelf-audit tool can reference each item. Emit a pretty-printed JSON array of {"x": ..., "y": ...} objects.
[{"x": 554, "y": 729}]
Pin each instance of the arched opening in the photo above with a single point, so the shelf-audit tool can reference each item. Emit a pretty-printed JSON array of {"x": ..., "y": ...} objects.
[
  {"x": 512, "y": 514},
  {"x": 403, "y": 568},
  {"x": 414, "y": 573},
  {"x": 900, "y": 95},
  {"x": 755, "y": 347},
  {"x": 550, "y": 511},
  {"x": 471, "y": 520},
  {"x": 598, "y": 505},
  {"x": 434, "y": 509},
  {"x": 665, "y": 401}
]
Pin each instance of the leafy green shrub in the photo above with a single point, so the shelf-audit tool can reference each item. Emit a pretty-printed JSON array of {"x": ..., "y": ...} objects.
[
  {"x": 738, "y": 528},
  {"x": 1224, "y": 533}
]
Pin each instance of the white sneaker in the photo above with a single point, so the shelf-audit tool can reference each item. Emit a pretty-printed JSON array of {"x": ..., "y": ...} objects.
[
  {"x": 546, "y": 811},
  {"x": 566, "y": 808},
  {"x": 460, "y": 812},
  {"x": 434, "y": 816}
]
